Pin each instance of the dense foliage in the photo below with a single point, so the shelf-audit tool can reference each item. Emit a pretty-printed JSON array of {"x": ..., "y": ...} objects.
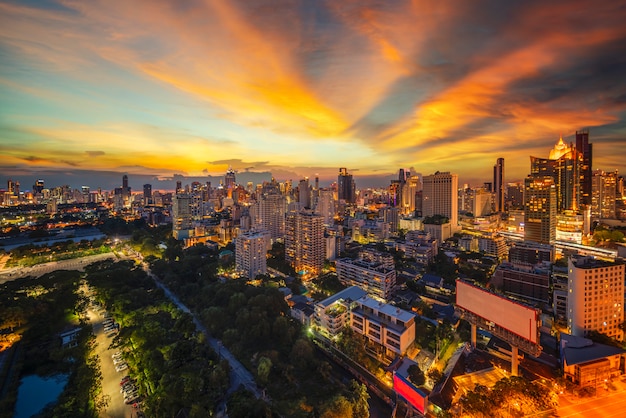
[
  {"x": 173, "y": 366},
  {"x": 511, "y": 396},
  {"x": 33, "y": 314},
  {"x": 255, "y": 325}
]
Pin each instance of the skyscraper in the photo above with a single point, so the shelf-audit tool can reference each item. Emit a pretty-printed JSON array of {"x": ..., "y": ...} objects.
[
  {"x": 147, "y": 194},
  {"x": 229, "y": 179},
  {"x": 439, "y": 196},
  {"x": 562, "y": 166},
  {"x": 498, "y": 184},
  {"x": 304, "y": 243},
  {"x": 345, "y": 186},
  {"x": 304, "y": 193},
  {"x": 584, "y": 150},
  {"x": 540, "y": 209},
  {"x": 603, "y": 195}
]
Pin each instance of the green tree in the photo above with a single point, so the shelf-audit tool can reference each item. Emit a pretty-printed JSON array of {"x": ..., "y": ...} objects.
[
  {"x": 338, "y": 407},
  {"x": 263, "y": 370},
  {"x": 416, "y": 375},
  {"x": 359, "y": 397}
]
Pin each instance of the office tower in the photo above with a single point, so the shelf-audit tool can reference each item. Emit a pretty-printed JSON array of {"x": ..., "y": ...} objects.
[
  {"x": 326, "y": 206},
  {"x": 125, "y": 181},
  {"x": 179, "y": 186},
  {"x": 304, "y": 193},
  {"x": 181, "y": 215},
  {"x": 439, "y": 196},
  {"x": 603, "y": 194},
  {"x": 229, "y": 178},
  {"x": 562, "y": 166},
  {"x": 481, "y": 203},
  {"x": 38, "y": 187},
  {"x": 595, "y": 299},
  {"x": 346, "y": 189},
  {"x": 409, "y": 194},
  {"x": 584, "y": 150},
  {"x": 251, "y": 253},
  {"x": 498, "y": 184},
  {"x": 540, "y": 209},
  {"x": 84, "y": 191},
  {"x": 304, "y": 243},
  {"x": 147, "y": 194},
  {"x": 515, "y": 195}
]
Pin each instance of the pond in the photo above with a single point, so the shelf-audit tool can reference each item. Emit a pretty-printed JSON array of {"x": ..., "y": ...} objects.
[{"x": 35, "y": 392}]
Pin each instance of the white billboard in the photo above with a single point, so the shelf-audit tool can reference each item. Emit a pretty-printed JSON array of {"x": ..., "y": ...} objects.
[{"x": 517, "y": 318}]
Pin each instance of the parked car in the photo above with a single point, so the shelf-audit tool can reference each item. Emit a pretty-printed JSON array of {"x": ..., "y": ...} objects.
[{"x": 121, "y": 367}]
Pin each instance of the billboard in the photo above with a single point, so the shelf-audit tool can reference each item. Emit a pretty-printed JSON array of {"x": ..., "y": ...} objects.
[
  {"x": 515, "y": 317},
  {"x": 409, "y": 393}
]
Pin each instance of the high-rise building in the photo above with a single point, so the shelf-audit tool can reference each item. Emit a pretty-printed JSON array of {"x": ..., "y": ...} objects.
[
  {"x": 562, "y": 166},
  {"x": 595, "y": 298},
  {"x": 125, "y": 181},
  {"x": 540, "y": 209},
  {"x": 326, "y": 206},
  {"x": 498, "y": 184},
  {"x": 515, "y": 195},
  {"x": 147, "y": 194},
  {"x": 345, "y": 186},
  {"x": 181, "y": 215},
  {"x": 584, "y": 150},
  {"x": 271, "y": 214},
  {"x": 603, "y": 195},
  {"x": 229, "y": 179},
  {"x": 304, "y": 193},
  {"x": 251, "y": 253},
  {"x": 304, "y": 243},
  {"x": 439, "y": 196},
  {"x": 38, "y": 187}
]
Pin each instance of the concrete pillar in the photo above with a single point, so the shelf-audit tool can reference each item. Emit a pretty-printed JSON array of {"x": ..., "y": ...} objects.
[
  {"x": 514, "y": 360},
  {"x": 473, "y": 336}
]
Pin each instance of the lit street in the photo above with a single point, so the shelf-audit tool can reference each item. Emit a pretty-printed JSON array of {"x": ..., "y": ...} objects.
[{"x": 611, "y": 405}]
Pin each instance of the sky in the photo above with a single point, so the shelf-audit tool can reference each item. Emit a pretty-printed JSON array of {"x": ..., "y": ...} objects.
[{"x": 91, "y": 90}]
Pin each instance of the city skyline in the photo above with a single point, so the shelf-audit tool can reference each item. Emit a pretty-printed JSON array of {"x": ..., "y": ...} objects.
[{"x": 304, "y": 88}]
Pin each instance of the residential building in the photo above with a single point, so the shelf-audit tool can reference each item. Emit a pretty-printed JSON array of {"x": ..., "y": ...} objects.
[
  {"x": 251, "y": 253},
  {"x": 181, "y": 216},
  {"x": 332, "y": 314},
  {"x": 389, "y": 330},
  {"x": 378, "y": 279},
  {"x": 528, "y": 283},
  {"x": 346, "y": 189},
  {"x": 595, "y": 297},
  {"x": 304, "y": 243}
]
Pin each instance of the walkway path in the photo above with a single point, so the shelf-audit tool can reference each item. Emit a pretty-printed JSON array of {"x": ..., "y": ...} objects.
[{"x": 239, "y": 375}]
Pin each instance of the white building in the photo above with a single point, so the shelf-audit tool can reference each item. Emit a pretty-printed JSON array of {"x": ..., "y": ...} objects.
[
  {"x": 595, "y": 299},
  {"x": 390, "y": 328},
  {"x": 251, "y": 253},
  {"x": 373, "y": 276},
  {"x": 439, "y": 196}
]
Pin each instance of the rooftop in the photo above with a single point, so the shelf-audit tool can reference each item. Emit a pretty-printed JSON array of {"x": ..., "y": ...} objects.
[
  {"x": 387, "y": 309},
  {"x": 352, "y": 293},
  {"x": 578, "y": 350}
]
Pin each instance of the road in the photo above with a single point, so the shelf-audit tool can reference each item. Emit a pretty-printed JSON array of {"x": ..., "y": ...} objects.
[
  {"x": 239, "y": 375},
  {"x": 110, "y": 378},
  {"x": 609, "y": 405}
]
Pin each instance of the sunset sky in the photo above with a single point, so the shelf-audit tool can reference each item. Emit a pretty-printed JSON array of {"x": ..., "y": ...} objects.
[{"x": 303, "y": 87}]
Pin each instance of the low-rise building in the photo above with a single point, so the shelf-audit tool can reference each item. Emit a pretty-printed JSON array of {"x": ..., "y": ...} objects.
[
  {"x": 390, "y": 329},
  {"x": 587, "y": 363}
]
